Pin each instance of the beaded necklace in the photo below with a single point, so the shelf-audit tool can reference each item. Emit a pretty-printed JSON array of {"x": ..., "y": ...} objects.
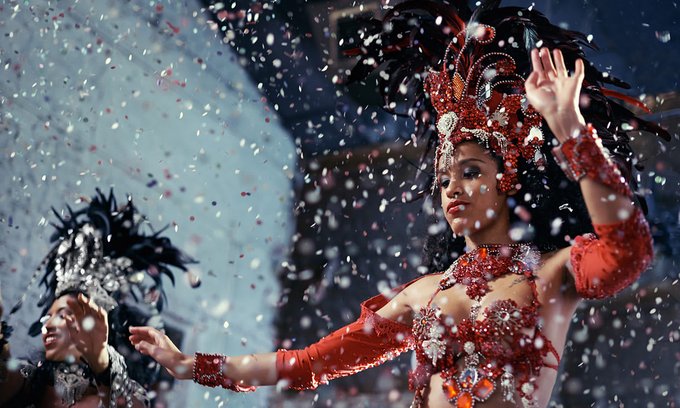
[{"x": 475, "y": 269}]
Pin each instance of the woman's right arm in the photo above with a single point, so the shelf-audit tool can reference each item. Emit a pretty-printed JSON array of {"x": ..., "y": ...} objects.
[{"x": 381, "y": 333}]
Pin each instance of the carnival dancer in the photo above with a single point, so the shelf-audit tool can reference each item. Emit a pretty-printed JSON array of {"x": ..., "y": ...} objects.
[
  {"x": 508, "y": 90},
  {"x": 102, "y": 275}
]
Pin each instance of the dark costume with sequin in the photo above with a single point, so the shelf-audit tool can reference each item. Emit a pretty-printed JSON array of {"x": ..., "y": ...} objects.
[{"x": 101, "y": 252}]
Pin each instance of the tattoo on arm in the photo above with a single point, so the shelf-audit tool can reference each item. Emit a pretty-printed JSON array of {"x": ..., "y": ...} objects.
[{"x": 518, "y": 280}]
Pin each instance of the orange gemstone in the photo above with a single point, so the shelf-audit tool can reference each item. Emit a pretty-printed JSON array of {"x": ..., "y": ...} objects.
[
  {"x": 483, "y": 388},
  {"x": 451, "y": 389},
  {"x": 464, "y": 401}
]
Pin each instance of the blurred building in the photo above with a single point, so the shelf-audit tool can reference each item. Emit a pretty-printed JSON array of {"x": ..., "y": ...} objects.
[{"x": 147, "y": 99}]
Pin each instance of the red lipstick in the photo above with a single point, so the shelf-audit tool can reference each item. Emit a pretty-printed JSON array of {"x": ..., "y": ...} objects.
[{"x": 455, "y": 206}]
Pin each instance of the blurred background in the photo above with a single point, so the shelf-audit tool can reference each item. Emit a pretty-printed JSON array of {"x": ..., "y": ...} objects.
[{"x": 230, "y": 123}]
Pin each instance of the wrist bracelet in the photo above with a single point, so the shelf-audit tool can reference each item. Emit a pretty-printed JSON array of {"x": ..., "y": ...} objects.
[
  {"x": 208, "y": 370},
  {"x": 584, "y": 156}
]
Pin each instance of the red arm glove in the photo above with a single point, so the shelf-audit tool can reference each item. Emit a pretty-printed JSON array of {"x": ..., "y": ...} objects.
[
  {"x": 604, "y": 266},
  {"x": 368, "y": 342}
]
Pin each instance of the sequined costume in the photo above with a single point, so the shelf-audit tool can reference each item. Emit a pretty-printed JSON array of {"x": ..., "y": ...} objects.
[
  {"x": 73, "y": 381},
  {"x": 101, "y": 251},
  {"x": 474, "y": 74},
  {"x": 493, "y": 343},
  {"x": 501, "y": 346}
]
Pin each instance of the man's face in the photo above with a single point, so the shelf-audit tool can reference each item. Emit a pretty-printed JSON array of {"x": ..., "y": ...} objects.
[{"x": 56, "y": 337}]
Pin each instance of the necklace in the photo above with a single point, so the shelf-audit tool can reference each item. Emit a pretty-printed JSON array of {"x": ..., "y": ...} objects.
[
  {"x": 70, "y": 380},
  {"x": 475, "y": 269}
]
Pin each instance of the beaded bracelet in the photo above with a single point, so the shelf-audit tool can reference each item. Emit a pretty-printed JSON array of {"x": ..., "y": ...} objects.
[
  {"x": 209, "y": 371},
  {"x": 584, "y": 156}
]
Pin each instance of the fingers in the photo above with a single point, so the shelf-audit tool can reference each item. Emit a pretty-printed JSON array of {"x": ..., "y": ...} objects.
[
  {"x": 159, "y": 354},
  {"x": 73, "y": 327},
  {"x": 75, "y": 333},
  {"x": 82, "y": 305},
  {"x": 579, "y": 70},
  {"x": 547, "y": 62},
  {"x": 542, "y": 65},
  {"x": 532, "y": 81},
  {"x": 146, "y": 334},
  {"x": 76, "y": 306},
  {"x": 536, "y": 65},
  {"x": 548, "y": 67},
  {"x": 136, "y": 338},
  {"x": 177, "y": 364},
  {"x": 559, "y": 63},
  {"x": 87, "y": 313},
  {"x": 145, "y": 331},
  {"x": 146, "y": 348},
  {"x": 90, "y": 305},
  {"x": 140, "y": 329}
]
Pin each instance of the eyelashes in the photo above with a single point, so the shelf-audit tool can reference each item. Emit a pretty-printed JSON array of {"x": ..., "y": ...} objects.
[
  {"x": 468, "y": 173},
  {"x": 471, "y": 173}
]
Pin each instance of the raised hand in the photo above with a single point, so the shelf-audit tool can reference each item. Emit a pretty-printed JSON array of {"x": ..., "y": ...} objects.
[
  {"x": 554, "y": 93},
  {"x": 89, "y": 329},
  {"x": 152, "y": 342}
]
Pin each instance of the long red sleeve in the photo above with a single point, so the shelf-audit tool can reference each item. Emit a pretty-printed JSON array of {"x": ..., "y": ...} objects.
[
  {"x": 368, "y": 342},
  {"x": 615, "y": 259}
]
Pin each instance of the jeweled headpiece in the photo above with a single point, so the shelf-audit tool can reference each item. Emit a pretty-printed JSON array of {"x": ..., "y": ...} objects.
[
  {"x": 472, "y": 65},
  {"x": 101, "y": 251},
  {"x": 482, "y": 99}
]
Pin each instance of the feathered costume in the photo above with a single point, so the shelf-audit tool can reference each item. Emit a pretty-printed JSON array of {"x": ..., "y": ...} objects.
[{"x": 102, "y": 252}]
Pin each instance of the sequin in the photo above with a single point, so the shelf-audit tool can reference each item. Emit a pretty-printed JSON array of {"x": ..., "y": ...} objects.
[{"x": 491, "y": 343}]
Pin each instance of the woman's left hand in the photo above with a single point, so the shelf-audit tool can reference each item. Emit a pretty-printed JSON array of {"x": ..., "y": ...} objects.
[
  {"x": 89, "y": 329},
  {"x": 554, "y": 93}
]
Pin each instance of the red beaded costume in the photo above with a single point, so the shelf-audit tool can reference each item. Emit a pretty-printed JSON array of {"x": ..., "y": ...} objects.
[
  {"x": 478, "y": 95},
  {"x": 496, "y": 346},
  {"x": 496, "y": 350}
]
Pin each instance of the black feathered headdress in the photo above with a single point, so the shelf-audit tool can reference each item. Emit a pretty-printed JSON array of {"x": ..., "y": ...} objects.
[{"x": 101, "y": 251}]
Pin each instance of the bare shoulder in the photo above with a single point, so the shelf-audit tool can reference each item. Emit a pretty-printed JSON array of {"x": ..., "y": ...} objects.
[
  {"x": 420, "y": 292},
  {"x": 411, "y": 298}
]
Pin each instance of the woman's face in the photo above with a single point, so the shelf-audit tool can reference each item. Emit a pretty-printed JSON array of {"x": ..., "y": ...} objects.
[
  {"x": 469, "y": 195},
  {"x": 56, "y": 337}
]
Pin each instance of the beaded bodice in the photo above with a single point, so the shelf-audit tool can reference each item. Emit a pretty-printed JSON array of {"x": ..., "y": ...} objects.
[{"x": 501, "y": 341}]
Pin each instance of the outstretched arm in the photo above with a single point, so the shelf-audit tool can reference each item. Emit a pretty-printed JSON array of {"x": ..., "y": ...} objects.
[
  {"x": 381, "y": 332},
  {"x": 600, "y": 267},
  {"x": 244, "y": 371}
]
